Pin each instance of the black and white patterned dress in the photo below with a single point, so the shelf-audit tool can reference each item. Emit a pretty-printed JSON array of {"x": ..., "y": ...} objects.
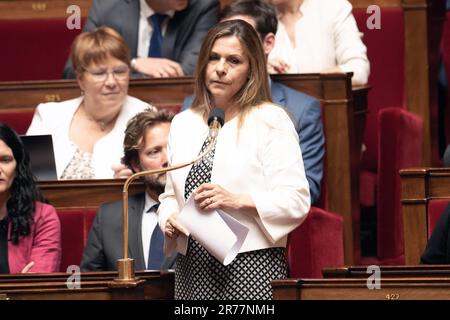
[{"x": 198, "y": 275}]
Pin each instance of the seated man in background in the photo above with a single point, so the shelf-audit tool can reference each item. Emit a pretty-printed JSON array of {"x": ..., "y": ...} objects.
[
  {"x": 145, "y": 149},
  {"x": 438, "y": 247},
  {"x": 164, "y": 36},
  {"x": 304, "y": 110}
]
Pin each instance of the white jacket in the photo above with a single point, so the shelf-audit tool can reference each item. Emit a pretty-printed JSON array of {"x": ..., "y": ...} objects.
[
  {"x": 264, "y": 162},
  {"x": 55, "y": 118},
  {"x": 326, "y": 36}
]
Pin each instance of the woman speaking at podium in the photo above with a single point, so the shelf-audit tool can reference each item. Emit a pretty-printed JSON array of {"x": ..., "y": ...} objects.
[{"x": 254, "y": 173}]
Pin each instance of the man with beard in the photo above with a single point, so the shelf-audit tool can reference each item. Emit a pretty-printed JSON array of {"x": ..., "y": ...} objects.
[{"x": 144, "y": 149}]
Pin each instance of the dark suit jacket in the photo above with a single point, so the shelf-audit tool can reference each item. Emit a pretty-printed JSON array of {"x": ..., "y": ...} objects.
[
  {"x": 305, "y": 112},
  {"x": 183, "y": 36},
  {"x": 105, "y": 243},
  {"x": 438, "y": 247}
]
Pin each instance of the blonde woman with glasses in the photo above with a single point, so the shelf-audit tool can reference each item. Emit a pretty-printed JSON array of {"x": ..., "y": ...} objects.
[{"x": 88, "y": 131}]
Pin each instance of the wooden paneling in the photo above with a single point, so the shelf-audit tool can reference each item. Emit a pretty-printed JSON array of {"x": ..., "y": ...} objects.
[
  {"x": 419, "y": 186},
  {"x": 356, "y": 289},
  {"x": 415, "y": 282},
  {"x": 40, "y": 9},
  {"x": 64, "y": 194},
  {"x": 355, "y": 3}
]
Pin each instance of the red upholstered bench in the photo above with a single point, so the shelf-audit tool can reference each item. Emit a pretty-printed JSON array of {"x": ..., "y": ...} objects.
[
  {"x": 385, "y": 50},
  {"x": 400, "y": 136},
  {"x": 316, "y": 244},
  {"x": 75, "y": 226},
  {"x": 34, "y": 49},
  {"x": 19, "y": 121}
]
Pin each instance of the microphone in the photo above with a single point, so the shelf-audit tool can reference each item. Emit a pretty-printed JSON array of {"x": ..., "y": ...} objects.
[
  {"x": 216, "y": 119},
  {"x": 125, "y": 266}
]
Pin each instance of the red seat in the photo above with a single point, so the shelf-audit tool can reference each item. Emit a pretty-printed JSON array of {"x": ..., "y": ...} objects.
[
  {"x": 435, "y": 209},
  {"x": 387, "y": 80},
  {"x": 400, "y": 136},
  {"x": 19, "y": 121},
  {"x": 387, "y": 67},
  {"x": 317, "y": 243},
  {"x": 75, "y": 226},
  {"x": 383, "y": 139},
  {"x": 34, "y": 49}
]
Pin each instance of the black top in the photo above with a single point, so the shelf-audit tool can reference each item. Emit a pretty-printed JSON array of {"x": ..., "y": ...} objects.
[
  {"x": 438, "y": 247},
  {"x": 4, "y": 265}
]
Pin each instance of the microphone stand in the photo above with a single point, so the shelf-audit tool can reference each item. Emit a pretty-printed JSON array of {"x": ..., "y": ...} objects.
[{"x": 125, "y": 266}]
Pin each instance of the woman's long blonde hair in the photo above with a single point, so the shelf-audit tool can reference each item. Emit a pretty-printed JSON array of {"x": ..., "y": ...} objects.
[{"x": 255, "y": 90}]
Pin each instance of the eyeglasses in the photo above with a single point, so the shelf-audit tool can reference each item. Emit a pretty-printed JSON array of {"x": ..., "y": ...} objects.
[{"x": 101, "y": 75}]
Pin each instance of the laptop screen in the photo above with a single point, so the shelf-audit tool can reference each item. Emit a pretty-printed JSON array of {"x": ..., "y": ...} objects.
[{"x": 42, "y": 157}]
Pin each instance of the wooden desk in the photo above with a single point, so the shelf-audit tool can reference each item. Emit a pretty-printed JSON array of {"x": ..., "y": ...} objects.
[
  {"x": 356, "y": 289},
  {"x": 93, "y": 286},
  {"x": 410, "y": 271},
  {"x": 344, "y": 126},
  {"x": 419, "y": 186},
  {"x": 430, "y": 282},
  {"x": 40, "y": 9},
  {"x": 64, "y": 194}
]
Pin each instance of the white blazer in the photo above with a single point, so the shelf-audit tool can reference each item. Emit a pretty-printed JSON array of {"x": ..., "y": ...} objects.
[
  {"x": 326, "y": 36},
  {"x": 264, "y": 162},
  {"x": 55, "y": 118}
]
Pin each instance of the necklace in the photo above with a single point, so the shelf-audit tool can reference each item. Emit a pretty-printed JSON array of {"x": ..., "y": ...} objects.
[{"x": 102, "y": 124}]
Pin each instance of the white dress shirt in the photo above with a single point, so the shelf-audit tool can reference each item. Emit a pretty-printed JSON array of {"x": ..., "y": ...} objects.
[
  {"x": 149, "y": 222},
  {"x": 146, "y": 28}
]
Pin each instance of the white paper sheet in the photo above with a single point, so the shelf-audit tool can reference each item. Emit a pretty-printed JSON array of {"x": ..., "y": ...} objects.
[{"x": 219, "y": 233}]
